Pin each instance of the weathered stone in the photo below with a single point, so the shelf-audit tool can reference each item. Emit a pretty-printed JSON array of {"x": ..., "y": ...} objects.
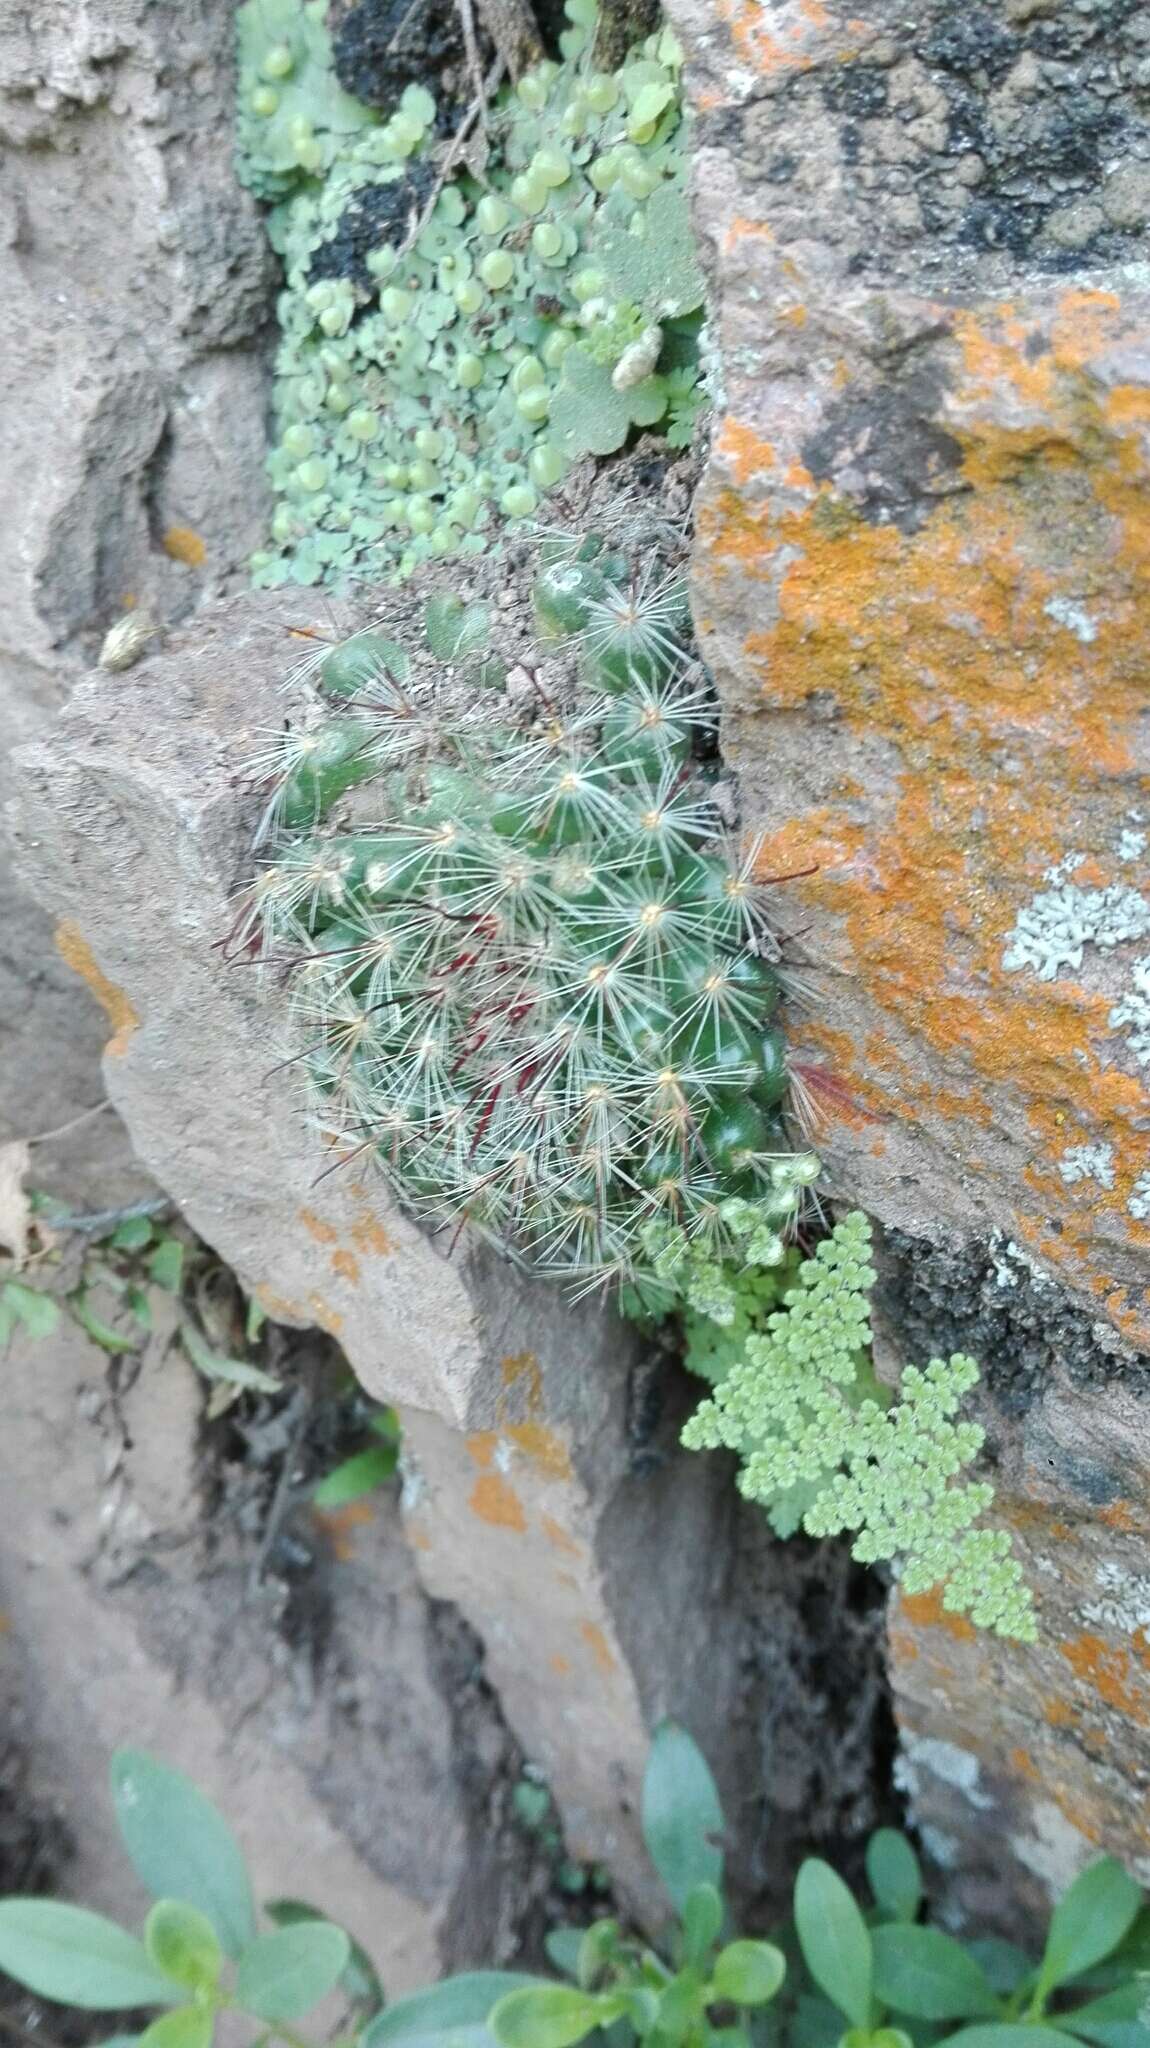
[
  {"x": 921, "y": 581},
  {"x": 135, "y": 825},
  {"x": 611, "y": 1576},
  {"x": 336, "y": 1716},
  {"x": 136, "y": 286}
]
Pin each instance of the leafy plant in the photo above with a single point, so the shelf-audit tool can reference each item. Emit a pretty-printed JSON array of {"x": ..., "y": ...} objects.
[
  {"x": 825, "y": 1445},
  {"x": 365, "y": 1469},
  {"x": 115, "y": 1281},
  {"x": 453, "y": 339},
  {"x": 838, "y": 1975},
  {"x": 201, "y": 1952}
]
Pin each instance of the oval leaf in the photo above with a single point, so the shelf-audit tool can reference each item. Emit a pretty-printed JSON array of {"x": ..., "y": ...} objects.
[
  {"x": 921, "y": 1971},
  {"x": 180, "y": 1847},
  {"x": 360, "y": 1980},
  {"x": 190, "y": 2026},
  {"x": 1113, "y": 2021},
  {"x": 182, "y": 1944},
  {"x": 893, "y": 1874},
  {"x": 1089, "y": 1920},
  {"x": 748, "y": 1972},
  {"x": 1008, "y": 2034},
  {"x": 834, "y": 1940},
  {"x": 356, "y": 1476},
  {"x": 447, "y": 2008},
  {"x": 546, "y": 2016},
  {"x": 77, "y": 1958},
  {"x": 682, "y": 1818},
  {"x": 282, "y": 1975},
  {"x": 702, "y": 1918}
]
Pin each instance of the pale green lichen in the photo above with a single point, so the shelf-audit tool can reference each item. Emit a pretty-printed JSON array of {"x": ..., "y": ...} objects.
[{"x": 445, "y": 357}]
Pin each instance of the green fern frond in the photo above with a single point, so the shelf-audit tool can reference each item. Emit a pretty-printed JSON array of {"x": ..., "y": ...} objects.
[{"x": 800, "y": 1404}]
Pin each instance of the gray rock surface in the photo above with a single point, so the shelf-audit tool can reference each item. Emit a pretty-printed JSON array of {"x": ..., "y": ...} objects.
[{"x": 136, "y": 290}]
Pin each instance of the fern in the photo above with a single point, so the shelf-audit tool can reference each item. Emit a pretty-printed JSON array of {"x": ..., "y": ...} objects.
[{"x": 826, "y": 1447}]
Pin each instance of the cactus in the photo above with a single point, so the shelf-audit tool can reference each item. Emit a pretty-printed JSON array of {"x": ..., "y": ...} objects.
[{"x": 531, "y": 983}]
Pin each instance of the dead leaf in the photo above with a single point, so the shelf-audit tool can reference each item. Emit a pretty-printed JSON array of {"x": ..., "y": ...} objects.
[{"x": 15, "y": 1208}]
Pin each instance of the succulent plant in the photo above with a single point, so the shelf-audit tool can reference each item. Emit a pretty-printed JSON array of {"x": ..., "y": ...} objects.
[
  {"x": 449, "y": 350},
  {"x": 524, "y": 974}
]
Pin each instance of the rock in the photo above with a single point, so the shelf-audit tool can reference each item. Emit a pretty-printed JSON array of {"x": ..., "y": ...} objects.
[
  {"x": 336, "y": 1717},
  {"x": 921, "y": 582},
  {"x": 610, "y": 1576},
  {"x": 134, "y": 824},
  {"x": 137, "y": 283}
]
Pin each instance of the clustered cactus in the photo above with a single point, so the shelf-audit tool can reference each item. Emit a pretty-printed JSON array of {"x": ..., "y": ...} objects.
[
  {"x": 530, "y": 983},
  {"x": 447, "y": 353}
]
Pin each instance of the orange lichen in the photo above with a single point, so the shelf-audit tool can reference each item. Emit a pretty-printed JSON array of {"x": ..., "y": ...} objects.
[
  {"x": 522, "y": 1369},
  {"x": 1060, "y": 1714},
  {"x": 185, "y": 545},
  {"x": 120, "y": 1011},
  {"x": 926, "y": 1610},
  {"x": 1001, "y": 727},
  {"x": 328, "y": 1318},
  {"x": 493, "y": 1500},
  {"x": 318, "y": 1227},
  {"x": 540, "y": 1448},
  {"x": 543, "y": 1450},
  {"x": 367, "y": 1232},
  {"x": 559, "y": 1664},
  {"x": 339, "y": 1525},
  {"x": 346, "y": 1265},
  {"x": 598, "y": 1645},
  {"x": 560, "y": 1537},
  {"x": 1108, "y": 1672}
]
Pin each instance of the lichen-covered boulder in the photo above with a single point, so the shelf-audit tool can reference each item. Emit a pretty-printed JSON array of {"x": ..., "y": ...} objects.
[{"x": 920, "y": 578}]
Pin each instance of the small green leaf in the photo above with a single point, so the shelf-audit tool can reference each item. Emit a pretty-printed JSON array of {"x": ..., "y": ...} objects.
[
  {"x": 748, "y": 1972},
  {"x": 924, "y": 1972},
  {"x": 190, "y": 2026},
  {"x": 38, "y": 1312},
  {"x": 562, "y": 1946},
  {"x": 1113, "y": 2021},
  {"x": 356, "y": 1476},
  {"x": 834, "y": 1940},
  {"x": 180, "y": 1846},
  {"x": 446, "y": 2010},
  {"x": 1089, "y": 1920},
  {"x": 77, "y": 1958},
  {"x": 360, "y": 1980},
  {"x": 97, "y": 1329},
  {"x": 236, "y": 1371},
  {"x": 702, "y": 1917},
  {"x": 1008, "y": 2034},
  {"x": 1003, "y": 1965},
  {"x": 132, "y": 1234},
  {"x": 166, "y": 1265},
  {"x": 256, "y": 1318},
  {"x": 550, "y": 2016},
  {"x": 283, "y": 1975},
  {"x": 893, "y": 1873},
  {"x": 682, "y": 1817},
  {"x": 140, "y": 1306},
  {"x": 182, "y": 1943}
]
